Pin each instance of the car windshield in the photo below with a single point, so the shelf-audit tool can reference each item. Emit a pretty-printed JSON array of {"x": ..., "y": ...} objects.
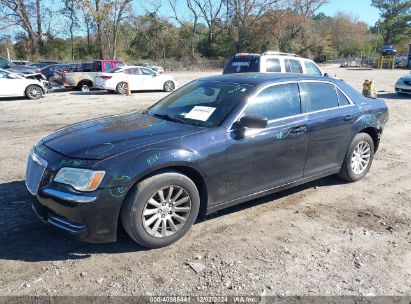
[{"x": 201, "y": 103}]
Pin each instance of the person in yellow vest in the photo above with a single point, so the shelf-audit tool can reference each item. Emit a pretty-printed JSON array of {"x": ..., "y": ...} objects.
[
  {"x": 373, "y": 92},
  {"x": 366, "y": 89}
]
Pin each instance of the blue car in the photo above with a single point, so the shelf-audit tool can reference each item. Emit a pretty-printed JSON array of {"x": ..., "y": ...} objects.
[
  {"x": 388, "y": 50},
  {"x": 215, "y": 142}
]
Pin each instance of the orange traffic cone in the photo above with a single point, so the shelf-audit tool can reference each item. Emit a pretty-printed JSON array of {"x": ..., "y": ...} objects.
[{"x": 128, "y": 90}]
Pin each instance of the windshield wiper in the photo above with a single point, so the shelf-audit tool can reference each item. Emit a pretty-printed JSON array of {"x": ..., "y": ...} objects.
[{"x": 170, "y": 118}]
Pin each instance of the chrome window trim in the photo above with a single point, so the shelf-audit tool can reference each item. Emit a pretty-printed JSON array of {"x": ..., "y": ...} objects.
[{"x": 251, "y": 98}]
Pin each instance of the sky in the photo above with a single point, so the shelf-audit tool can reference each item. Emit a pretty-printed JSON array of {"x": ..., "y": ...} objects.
[{"x": 359, "y": 8}]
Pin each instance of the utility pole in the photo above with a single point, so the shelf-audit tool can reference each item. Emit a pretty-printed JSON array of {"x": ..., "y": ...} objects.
[{"x": 8, "y": 54}]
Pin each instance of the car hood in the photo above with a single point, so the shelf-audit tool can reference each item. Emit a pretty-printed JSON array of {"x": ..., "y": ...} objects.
[
  {"x": 406, "y": 77},
  {"x": 107, "y": 136}
]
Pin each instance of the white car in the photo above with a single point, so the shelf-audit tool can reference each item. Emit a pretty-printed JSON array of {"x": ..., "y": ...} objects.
[
  {"x": 403, "y": 85},
  {"x": 139, "y": 78},
  {"x": 13, "y": 85},
  {"x": 272, "y": 62}
]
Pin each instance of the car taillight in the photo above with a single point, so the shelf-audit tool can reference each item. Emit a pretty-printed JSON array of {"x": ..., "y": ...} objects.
[{"x": 105, "y": 77}]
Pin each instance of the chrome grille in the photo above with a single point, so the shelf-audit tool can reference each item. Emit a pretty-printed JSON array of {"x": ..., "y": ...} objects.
[{"x": 34, "y": 172}]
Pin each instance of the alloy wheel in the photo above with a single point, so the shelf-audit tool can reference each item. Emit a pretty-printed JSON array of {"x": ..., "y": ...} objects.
[
  {"x": 122, "y": 88},
  {"x": 169, "y": 86},
  {"x": 34, "y": 92},
  {"x": 361, "y": 157},
  {"x": 166, "y": 212}
]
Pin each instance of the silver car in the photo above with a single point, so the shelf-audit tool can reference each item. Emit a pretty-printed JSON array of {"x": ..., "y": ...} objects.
[{"x": 403, "y": 85}]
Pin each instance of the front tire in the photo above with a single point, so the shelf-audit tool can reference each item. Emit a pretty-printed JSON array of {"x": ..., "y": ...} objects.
[
  {"x": 161, "y": 209},
  {"x": 358, "y": 159},
  {"x": 169, "y": 86},
  {"x": 34, "y": 92}
]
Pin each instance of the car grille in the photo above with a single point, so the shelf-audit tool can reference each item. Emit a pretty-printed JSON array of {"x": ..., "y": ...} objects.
[{"x": 34, "y": 172}]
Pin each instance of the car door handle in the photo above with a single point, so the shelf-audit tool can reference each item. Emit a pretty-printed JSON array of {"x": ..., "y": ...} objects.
[
  {"x": 348, "y": 118},
  {"x": 298, "y": 130}
]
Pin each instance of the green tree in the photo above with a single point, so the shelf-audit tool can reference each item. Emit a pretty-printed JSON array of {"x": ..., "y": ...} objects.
[{"x": 395, "y": 22}]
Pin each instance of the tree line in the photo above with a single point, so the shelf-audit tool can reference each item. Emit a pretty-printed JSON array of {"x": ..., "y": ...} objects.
[{"x": 76, "y": 30}]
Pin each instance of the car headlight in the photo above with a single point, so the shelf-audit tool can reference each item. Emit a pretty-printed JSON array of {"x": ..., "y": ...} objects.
[{"x": 80, "y": 179}]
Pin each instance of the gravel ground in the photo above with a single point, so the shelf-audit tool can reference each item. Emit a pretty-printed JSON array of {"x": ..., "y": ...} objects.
[{"x": 327, "y": 237}]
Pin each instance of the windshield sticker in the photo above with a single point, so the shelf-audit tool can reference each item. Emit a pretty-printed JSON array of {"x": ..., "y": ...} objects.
[{"x": 200, "y": 113}]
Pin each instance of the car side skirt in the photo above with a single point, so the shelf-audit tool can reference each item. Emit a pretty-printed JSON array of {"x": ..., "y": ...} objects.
[{"x": 271, "y": 190}]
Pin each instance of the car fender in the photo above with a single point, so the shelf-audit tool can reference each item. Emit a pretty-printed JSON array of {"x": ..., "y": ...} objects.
[
  {"x": 368, "y": 120},
  {"x": 146, "y": 161}
]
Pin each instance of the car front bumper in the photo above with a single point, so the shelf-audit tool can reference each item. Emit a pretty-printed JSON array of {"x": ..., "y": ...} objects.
[
  {"x": 92, "y": 218},
  {"x": 403, "y": 88}
]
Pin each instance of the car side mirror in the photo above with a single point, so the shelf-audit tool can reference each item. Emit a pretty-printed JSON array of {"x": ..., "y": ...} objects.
[
  {"x": 253, "y": 122},
  {"x": 326, "y": 75},
  {"x": 12, "y": 76}
]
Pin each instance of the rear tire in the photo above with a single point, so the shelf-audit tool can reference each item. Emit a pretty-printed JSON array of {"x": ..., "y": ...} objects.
[
  {"x": 34, "y": 92},
  {"x": 121, "y": 88},
  {"x": 52, "y": 81},
  {"x": 85, "y": 88},
  {"x": 155, "y": 220},
  {"x": 358, "y": 159}
]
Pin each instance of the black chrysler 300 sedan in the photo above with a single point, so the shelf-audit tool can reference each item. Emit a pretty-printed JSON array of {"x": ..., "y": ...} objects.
[{"x": 215, "y": 142}]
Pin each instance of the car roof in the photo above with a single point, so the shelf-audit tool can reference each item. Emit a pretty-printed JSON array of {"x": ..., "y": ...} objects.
[
  {"x": 257, "y": 79},
  {"x": 133, "y": 67}
]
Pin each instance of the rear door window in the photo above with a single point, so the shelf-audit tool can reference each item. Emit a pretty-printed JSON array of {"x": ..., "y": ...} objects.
[
  {"x": 273, "y": 65},
  {"x": 243, "y": 64},
  {"x": 293, "y": 66},
  {"x": 107, "y": 66},
  {"x": 277, "y": 102},
  {"x": 319, "y": 96},
  {"x": 312, "y": 69},
  {"x": 342, "y": 99}
]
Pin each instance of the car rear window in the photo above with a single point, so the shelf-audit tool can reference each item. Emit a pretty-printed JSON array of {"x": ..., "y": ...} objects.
[
  {"x": 319, "y": 96},
  {"x": 243, "y": 64}
]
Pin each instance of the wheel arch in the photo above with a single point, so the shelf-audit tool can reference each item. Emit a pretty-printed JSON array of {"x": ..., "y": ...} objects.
[
  {"x": 188, "y": 171},
  {"x": 43, "y": 90},
  {"x": 374, "y": 134},
  {"x": 85, "y": 81}
]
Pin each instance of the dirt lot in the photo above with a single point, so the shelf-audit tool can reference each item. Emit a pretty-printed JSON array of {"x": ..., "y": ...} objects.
[{"x": 324, "y": 238}]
